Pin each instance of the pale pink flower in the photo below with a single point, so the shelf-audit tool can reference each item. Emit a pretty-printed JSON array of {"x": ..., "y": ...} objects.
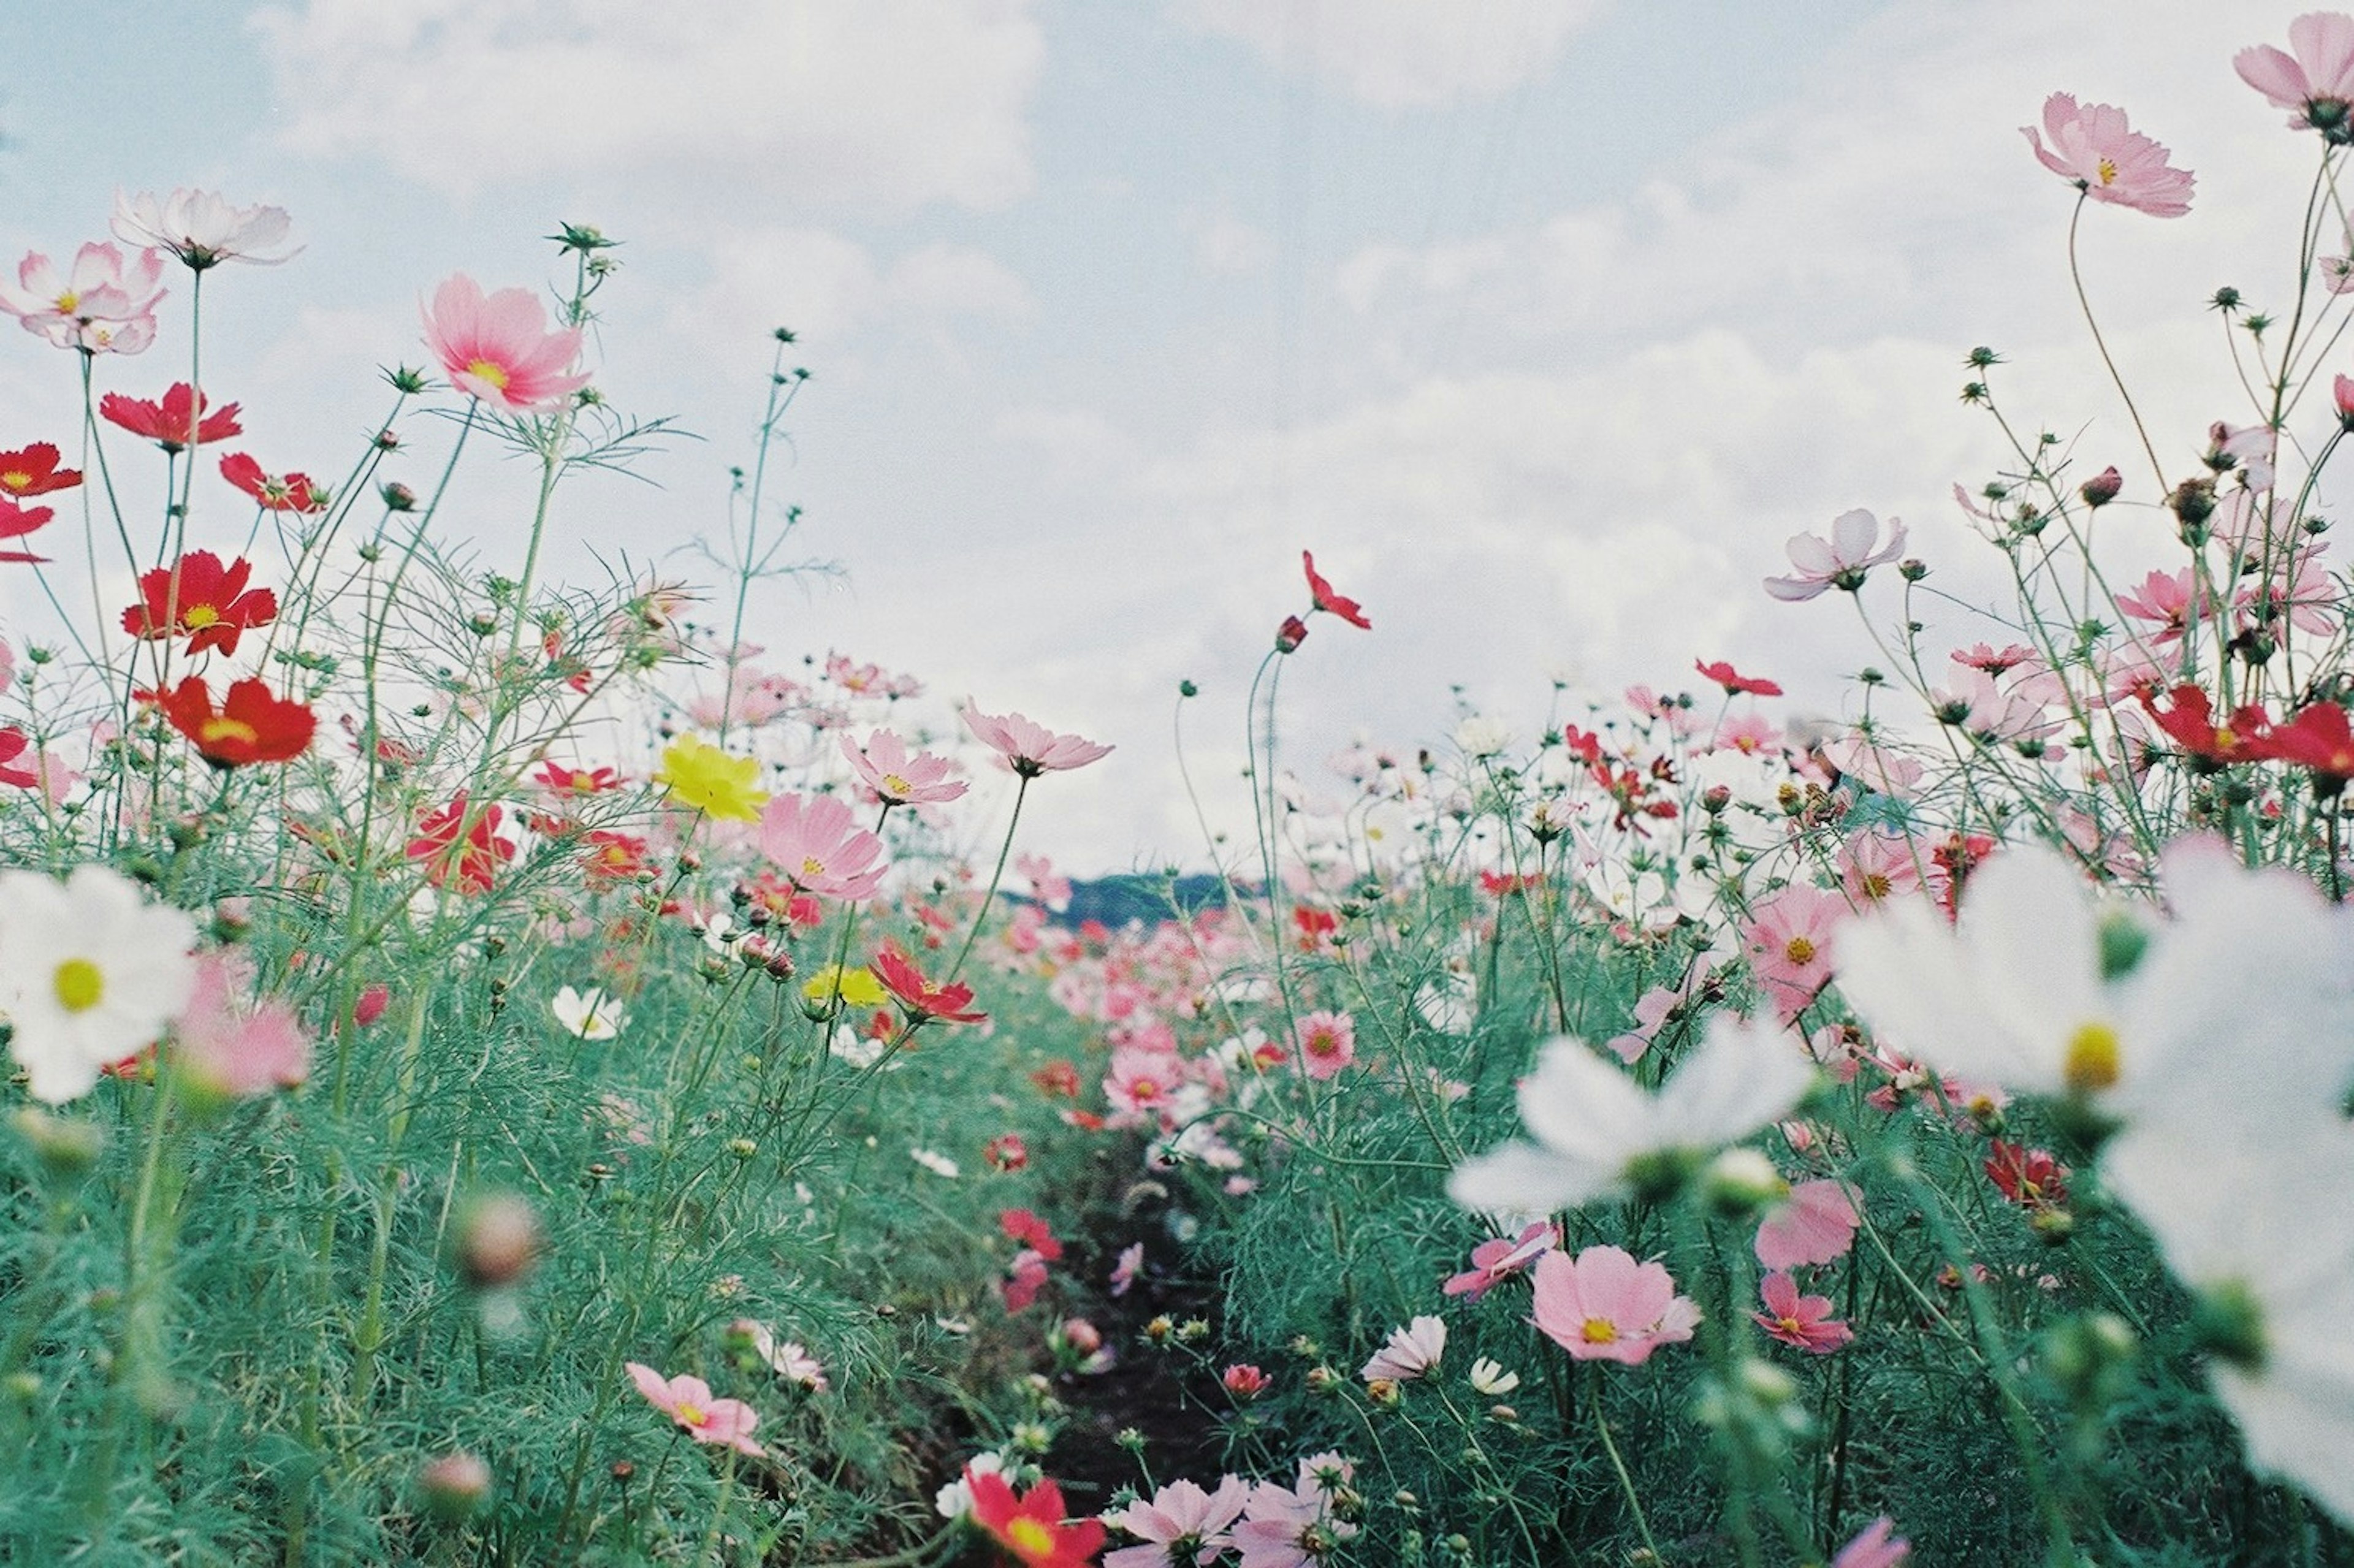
[
  {"x": 886, "y": 767},
  {"x": 2316, "y": 84},
  {"x": 1142, "y": 1082},
  {"x": 814, "y": 840},
  {"x": 1050, "y": 887},
  {"x": 232, "y": 1047},
  {"x": 1294, "y": 1527},
  {"x": 1876, "y": 1546},
  {"x": 689, "y": 1402},
  {"x": 1499, "y": 1259},
  {"x": 1751, "y": 734},
  {"x": 1186, "y": 1526},
  {"x": 786, "y": 1357},
  {"x": 2093, "y": 149},
  {"x": 1326, "y": 1043},
  {"x": 1030, "y": 748},
  {"x": 2302, "y": 593},
  {"x": 1875, "y": 865},
  {"x": 1124, "y": 1273},
  {"x": 1411, "y": 1351},
  {"x": 1804, "y": 1321},
  {"x": 202, "y": 228},
  {"x": 1603, "y": 1306},
  {"x": 1814, "y": 1225},
  {"x": 1841, "y": 561},
  {"x": 103, "y": 303},
  {"x": 2166, "y": 600},
  {"x": 1791, "y": 944},
  {"x": 498, "y": 349},
  {"x": 1875, "y": 767}
]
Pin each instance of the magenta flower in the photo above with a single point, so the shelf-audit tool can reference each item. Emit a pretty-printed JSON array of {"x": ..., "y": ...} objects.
[
  {"x": 202, "y": 228},
  {"x": 1498, "y": 1260},
  {"x": 2094, "y": 149},
  {"x": 819, "y": 848},
  {"x": 232, "y": 1048},
  {"x": 1805, "y": 1321},
  {"x": 1186, "y": 1526},
  {"x": 1030, "y": 748},
  {"x": 102, "y": 303},
  {"x": 1411, "y": 1351},
  {"x": 2317, "y": 83},
  {"x": 1326, "y": 1043},
  {"x": 1603, "y": 1306},
  {"x": 1816, "y": 1223},
  {"x": 897, "y": 777},
  {"x": 1841, "y": 561},
  {"x": 499, "y": 348},
  {"x": 688, "y": 1401}
]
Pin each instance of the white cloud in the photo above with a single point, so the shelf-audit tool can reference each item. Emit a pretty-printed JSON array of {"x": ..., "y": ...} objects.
[
  {"x": 1404, "y": 54},
  {"x": 826, "y": 286},
  {"x": 893, "y": 103},
  {"x": 1227, "y": 247}
]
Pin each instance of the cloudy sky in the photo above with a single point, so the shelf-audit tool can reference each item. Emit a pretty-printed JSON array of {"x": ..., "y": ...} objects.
[{"x": 1543, "y": 323}]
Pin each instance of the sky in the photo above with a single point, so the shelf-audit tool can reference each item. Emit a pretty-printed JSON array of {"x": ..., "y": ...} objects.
[{"x": 1542, "y": 322}]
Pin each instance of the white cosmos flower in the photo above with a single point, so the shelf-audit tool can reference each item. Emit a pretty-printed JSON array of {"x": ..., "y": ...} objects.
[
  {"x": 202, "y": 228},
  {"x": 1491, "y": 1379},
  {"x": 590, "y": 1015},
  {"x": 938, "y": 1164},
  {"x": 1596, "y": 1128},
  {"x": 90, "y": 972},
  {"x": 1411, "y": 1351}
]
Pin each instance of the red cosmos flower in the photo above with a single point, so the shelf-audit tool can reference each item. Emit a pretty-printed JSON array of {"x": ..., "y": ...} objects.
[
  {"x": 1290, "y": 634},
  {"x": 2318, "y": 740},
  {"x": 200, "y": 598},
  {"x": 13, "y": 743},
  {"x": 582, "y": 781},
  {"x": 609, "y": 856},
  {"x": 1057, "y": 1079},
  {"x": 253, "y": 724},
  {"x": 1031, "y": 1527},
  {"x": 181, "y": 421},
  {"x": 1504, "y": 884},
  {"x": 1734, "y": 681},
  {"x": 2190, "y": 722},
  {"x": 1022, "y": 1225},
  {"x": 459, "y": 846},
  {"x": 2031, "y": 1178},
  {"x": 1316, "y": 926},
  {"x": 903, "y": 980},
  {"x": 16, "y": 522},
  {"x": 294, "y": 492},
  {"x": 1244, "y": 1380},
  {"x": 1006, "y": 1151},
  {"x": 34, "y": 471},
  {"x": 1327, "y": 601}
]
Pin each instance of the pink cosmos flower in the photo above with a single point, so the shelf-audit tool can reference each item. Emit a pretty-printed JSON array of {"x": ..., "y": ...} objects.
[
  {"x": 788, "y": 1359},
  {"x": 1326, "y": 1043},
  {"x": 1030, "y": 748},
  {"x": 1124, "y": 1273},
  {"x": 203, "y": 230},
  {"x": 1840, "y": 562},
  {"x": 499, "y": 348},
  {"x": 102, "y": 303},
  {"x": 1603, "y": 1306},
  {"x": 894, "y": 776},
  {"x": 1816, "y": 1223},
  {"x": 1293, "y": 1527},
  {"x": 1244, "y": 1380},
  {"x": 1411, "y": 1351},
  {"x": 1804, "y": 1321},
  {"x": 1186, "y": 1526},
  {"x": 231, "y": 1047},
  {"x": 2093, "y": 149},
  {"x": 1497, "y": 1260},
  {"x": 1874, "y": 865},
  {"x": 2317, "y": 83},
  {"x": 1142, "y": 1082},
  {"x": 1024, "y": 1277},
  {"x": 688, "y": 1401},
  {"x": 1791, "y": 944},
  {"x": 1875, "y": 1547},
  {"x": 819, "y": 848}
]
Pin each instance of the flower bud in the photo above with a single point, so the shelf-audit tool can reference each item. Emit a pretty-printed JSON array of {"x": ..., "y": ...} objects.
[
  {"x": 454, "y": 1486},
  {"x": 498, "y": 1240}
]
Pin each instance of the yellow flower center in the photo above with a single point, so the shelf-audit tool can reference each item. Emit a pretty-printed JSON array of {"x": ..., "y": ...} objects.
[
  {"x": 812, "y": 866},
  {"x": 895, "y": 785},
  {"x": 16, "y": 478},
  {"x": 199, "y": 616},
  {"x": 486, "y": 370},
  {"x": 2108, "y": 172},
  {"x": 66, "y": 302},
  {"x": 1598, "y": 1331},
  {"x": 79, "y": 985},
  {"x": 222, "y": 728},
  {"x": 694, "y": 1415},
  {"x": 1029, "y": 1537},
  {"x": 1144, "y": 1089},
  {"x": 1799, "y": 950},
  {"x": 1876, "y": 884},
  {"x": 2093, "y": 1057},
  {"x": 1788, "y": 1325}
]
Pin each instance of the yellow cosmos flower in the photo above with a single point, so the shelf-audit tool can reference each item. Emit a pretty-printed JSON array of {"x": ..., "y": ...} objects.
[
  {"x": 704, "y": 779},
  {"x": 858, "y": 985}
]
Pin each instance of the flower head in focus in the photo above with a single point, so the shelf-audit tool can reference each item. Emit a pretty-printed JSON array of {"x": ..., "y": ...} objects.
[
  {"x": 897, "y": 777},
  {"x": 498, "y": 349},
  {"x": 181, "y": 418},
  {"x": 1841, "y": 561},
  {"x": 1327, "y": 601},
  {"x": 253, "y": 724},
  {"x": 1411, "y": 1351},
  {"x": 103, "y": 303},
  {"x": 198, "y": 597},
  {"x": 1603, "y": 1306},
  {"x": 1030, "y": 748},
  {"x": 689, "y": 1402},
  {"x": 2093, "y": 149},
  {"x": 202, "y": 228},
  {"x": 2314, "y": 84}
]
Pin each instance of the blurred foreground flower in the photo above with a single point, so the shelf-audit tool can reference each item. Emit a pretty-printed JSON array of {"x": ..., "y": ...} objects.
[{"x": 90, "y": 972}]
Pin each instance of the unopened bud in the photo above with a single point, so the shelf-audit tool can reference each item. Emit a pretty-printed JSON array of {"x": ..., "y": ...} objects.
[
  {"x": 454, "y": 1486},
  {"x": 498, "y": 1240}
]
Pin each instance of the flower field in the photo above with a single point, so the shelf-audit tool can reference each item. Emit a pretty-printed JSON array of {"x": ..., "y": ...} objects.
[{"x": 508, "y": 1071}]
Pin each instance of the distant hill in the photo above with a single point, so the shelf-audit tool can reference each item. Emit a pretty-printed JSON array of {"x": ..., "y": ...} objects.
[{"x": 1114, "y": 901}]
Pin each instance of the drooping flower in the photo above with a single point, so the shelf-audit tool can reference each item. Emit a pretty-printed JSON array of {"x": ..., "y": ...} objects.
[
  {"x": 1734, "y": 683},
  {"x": 1032, "y": 1526},
  {"x": 1326, "y": 1043},
  {"x": 2031, "y": 1178},
  {"x": 1814, "y": 1225},
  {"x": 291, "y": 493},
  {"x": 16, "y": 522},
  {"x": 1599, "y": 1134},
  {"x": 1327, "y": 602},
  {"x": 33, "y": 471},
  {"x": 104, "y": 303},
  {"x": 702, "y": 777},
  {"x": 589, "y": 1014},
  {"x": 253, "y": 724},
  {"x": 1498, "y": 1259},
  {"x": 688, "y": 1401},
  {"x": 201, "y": 600},
  {"x": 89, "y": 973},
  {"x": 1804, "y": 1321},
  {"x": 819, "y": 846},
  {"x": 2317, "y": 83},
  {"x": 460, "y": 845},
  {"x": 1411, "y": 1351},
  {"x": 950, "y": 1003},
  {"x": 894, "y": 776},
  {"x": 1493, "y": 1379},
  {"x": 2093, "y": 149},
  {"x": 1603, "y": 1306},
  {"x": 1030, "y": 748},
  {"x": 1185, "y": 1526},
  {"x": 202, "y": 228},
  {"x": 498, "y": 347},
  {"x": 232, "y": 1047},
  {"x": 182, "y": 419},
  {"x": 1841, "y": 561}
]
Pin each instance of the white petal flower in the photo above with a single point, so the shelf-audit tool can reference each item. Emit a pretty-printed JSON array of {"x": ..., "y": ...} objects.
[
  {"x": 1411, "y": 1351},
  {"x": 90, "y": 972},
  {"x": 590, "y": 1015},
  {"x": 1490, "y": 1378},
  {"x": 202, "y": 228},
  {"x": 937, "y": 1164}
]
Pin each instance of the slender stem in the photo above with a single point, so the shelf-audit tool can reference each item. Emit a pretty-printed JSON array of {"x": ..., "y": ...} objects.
[{"x": 981, "y": 914}]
